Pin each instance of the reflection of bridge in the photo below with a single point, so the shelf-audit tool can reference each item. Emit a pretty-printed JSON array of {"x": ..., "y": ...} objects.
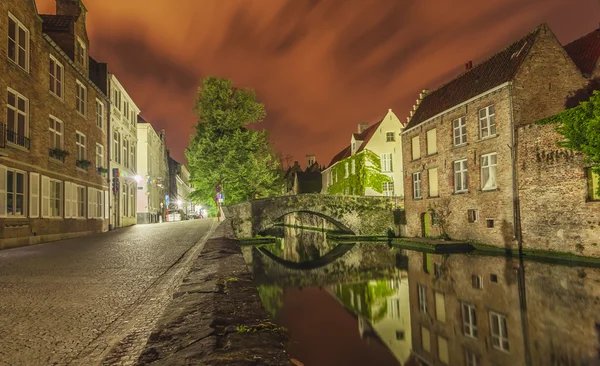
[
  {"x": 356, "y": 214},
  {"x": 344, "y": 264}
]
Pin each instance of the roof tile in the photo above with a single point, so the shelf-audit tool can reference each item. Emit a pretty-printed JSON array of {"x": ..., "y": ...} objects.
[
  {"x": 56, "y": 22},
  {"x": 585, "y": 52}
]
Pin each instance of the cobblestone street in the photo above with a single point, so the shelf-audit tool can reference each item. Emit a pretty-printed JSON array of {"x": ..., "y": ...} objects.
[{"x": 92, "y": 300}]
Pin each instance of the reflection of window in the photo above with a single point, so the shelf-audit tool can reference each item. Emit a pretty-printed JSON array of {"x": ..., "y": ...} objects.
[
  {"x": 471, "y": 358},
  {"x": 422, "y": 290},
  {"x": 499, "y": 331},
  {"x": 425, "y": 339},
  {"x": 399, "y": 335},
  {"x": 593, "y": 179},
  {"x": 469, "y": 317},
  {"x": 440, "y": 307},
  {"x": 15, "y": 193},
  {"x": 443, "y": 353},
  {"x": 388, "y": 189},
  {"x": 476, "y": 282},
  {"x": 393, "y": 308},
  {"x": 472, "y": 215}
]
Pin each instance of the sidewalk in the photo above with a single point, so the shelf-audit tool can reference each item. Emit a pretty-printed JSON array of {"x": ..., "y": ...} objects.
[{"x": 216, "y": 316}]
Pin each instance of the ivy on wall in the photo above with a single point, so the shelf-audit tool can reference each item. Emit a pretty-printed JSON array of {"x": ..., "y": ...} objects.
[{"x": 367, "y": 174}]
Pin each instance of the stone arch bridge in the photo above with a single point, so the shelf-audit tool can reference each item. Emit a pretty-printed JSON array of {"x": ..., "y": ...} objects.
[{"x": 364, "y": 215}]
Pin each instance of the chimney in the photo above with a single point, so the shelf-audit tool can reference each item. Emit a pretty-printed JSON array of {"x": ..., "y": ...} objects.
[
  {"x": 362, "y": 126},
  {"x": 70, "y": 7},
  {"x": 310, "y": 160},
  {"x": 389, "y": 110},
  {"x": 469, "y": 65}
]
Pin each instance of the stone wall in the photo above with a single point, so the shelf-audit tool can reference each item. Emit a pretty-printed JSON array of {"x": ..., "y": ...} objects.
[
  {"x": 359, "y": 215},
  {"x": 556, "y": 214}
]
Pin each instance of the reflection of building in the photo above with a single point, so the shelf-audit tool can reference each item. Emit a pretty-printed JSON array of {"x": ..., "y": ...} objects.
[
  {"x": 153, "y": 184},
  {"x": 180, "y": 188},
  {"x": 465, "y": 310},
  {"x": 123, "y": 157},
  {"x": 383, "y": 311},
  {"x": 307, "y": 181}
]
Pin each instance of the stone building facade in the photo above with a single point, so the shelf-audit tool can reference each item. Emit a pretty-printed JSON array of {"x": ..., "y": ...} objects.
[
  {"x": 53, "y": 122},
  {"x": 152, "y": 187},
  {"x": 476, "y": 123},
  {"x": 123, "y": 158}
]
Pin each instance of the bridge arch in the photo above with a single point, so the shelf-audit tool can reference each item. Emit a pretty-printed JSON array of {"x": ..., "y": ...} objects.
[{"x": 264, "y": 225}]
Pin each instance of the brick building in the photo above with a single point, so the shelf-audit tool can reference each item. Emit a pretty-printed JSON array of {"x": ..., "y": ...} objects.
[
  {"x": 53, "y": 126},
  {"x": 463, "y": 143}
]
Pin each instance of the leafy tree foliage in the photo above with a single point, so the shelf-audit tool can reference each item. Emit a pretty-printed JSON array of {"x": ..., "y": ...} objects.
[
  {"x": 581, "y": 128},
  {"x": 223, "y": 152}
]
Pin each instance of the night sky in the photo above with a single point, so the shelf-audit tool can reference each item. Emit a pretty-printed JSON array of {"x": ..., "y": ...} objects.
[{"x": 320, "y": 67}]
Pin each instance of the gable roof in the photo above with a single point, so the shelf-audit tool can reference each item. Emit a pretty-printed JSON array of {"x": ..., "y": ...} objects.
[
  {"x": 56, "y": 22},
  {"x": 585, "y": 52},
  {"x": 341, "y": 155},
  {"x": 367, "y": 134},
  {"x": 496, "y": 70}
]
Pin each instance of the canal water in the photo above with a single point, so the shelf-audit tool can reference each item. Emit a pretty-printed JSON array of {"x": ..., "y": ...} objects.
[{"x": 372, "y": 303}]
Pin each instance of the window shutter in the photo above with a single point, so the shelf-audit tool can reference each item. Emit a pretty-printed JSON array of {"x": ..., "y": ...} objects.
[
  {"x": 45, "y": 196},
  {"x": 106, "y": 208},
  {"x": 2, "y": 191},
  {"x": 68, "y": 200},
  {"x": 74, "y": 201},
  {"x": 91, "y": 195},
  {"x": 34, "y": 195}
]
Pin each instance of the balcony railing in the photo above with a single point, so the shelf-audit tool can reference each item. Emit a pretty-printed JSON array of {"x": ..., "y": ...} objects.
[
  {"x": 2, "y": 135},
  {"x": 58, "y": 154},
  {"x": 17, "y": 139}
]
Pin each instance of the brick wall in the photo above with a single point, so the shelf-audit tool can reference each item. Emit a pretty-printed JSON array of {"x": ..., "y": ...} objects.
[
  {"x": 553, "y": 192},
  {"x": 495, "y": 205}
]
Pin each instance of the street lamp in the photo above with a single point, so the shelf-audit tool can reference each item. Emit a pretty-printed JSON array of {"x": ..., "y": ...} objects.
[
  {"x": 179, "y": 202},
  {"x": 137, "y": 178}
]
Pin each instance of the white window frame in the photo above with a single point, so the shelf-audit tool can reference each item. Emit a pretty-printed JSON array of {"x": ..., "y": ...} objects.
[
  {"x": 469, "y": 320},
  {"x": 346, "y": 170},
  {"x": 390, "y": 136},
  {"x": 51, "y": 199},
  {"x": 487, "y": 165},
  {"x": 132, "y": 153},
  {"x": 81, "y": 98},
  {"x": 422, "y": 293},
  {"x": 388, "y": 189},
  {"x": 99, "y": 114},
  {"x": 459, "y": 131},
  {"x": 500, "y": 338},
  {"x": 79, "y": 202},
  {"x": 487, "y": 122},
  {"x": 81, "y": 53},
  {"x": 417, "y": 185},
  {"x": 132, "y": 206},
  {"x": 471, "y": 358},
  {"x": 54, "y": 132},
  {"x": 17, "y": 112},
  {"x": 57, "y": 82},
  {"x": 23, "y": 193},
  {"x": 80, "y": 143},
  {"x": 99, "y": 155},
  {"x": 99, "y": 204},
  {"x": 126, "y": 153},
  {"x": 461, "y": 176},
  {"x": 116, "y": 147},
  {"x": 16, "y": 41},
  {"x": 353, "y": 167},
  {"x": 386, "y": 163}
]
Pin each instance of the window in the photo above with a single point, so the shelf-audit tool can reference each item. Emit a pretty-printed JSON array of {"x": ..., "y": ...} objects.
[
  {"x": 81, "y": 53},
  {"x": 469, "y": 318},
  {"x": 56, "y": 133},
  {"x": 15, "y": 193},
  {"x": 393, "y": 307},
  {"x": 473, "y": 215},
  {"x": 126, "y": 109},
  {"x": 56, "y": 77},
  {"x": 461, "y": 177},
  {"x": 416, "y": 148},
  {"x": 489, "y": 223},
  {"x": 17, "y": 119},
  {"x": 99, "y": 114},
  {"x": 388, "y": 189},
  {"x": 80, "y": 145},
  {"x": 433, "y": 182},
  {"x": 459, "y": 128},
  {"x": 431, "y": 142},
  {"x": 80, "y": 202},
  {"x": 422, "y": 290},
  {"x": 386, "y": 162},
  {"x": 353, "y": 166},
  {"x": 440, "y": 307},
  {"x": 116, "y": 147},
  {"x": 471, "y": 358},
  {"x": 425, "y": 339},
  {"x": 81, "y": 98},
  {"x": 132, "y": 190},
  {"x": 125, "y": 154},
  {"x": 55, "y": 198},
  {"x": 487, "y": 122},
  {"x": 353, "y": 147},
  {"x": 117, "y": 99},
  {"x": 499, "y": 331},
  {"x": 443, "y": 354},
  {"x": 489, "y": 164},
  {"x": 477, "y": 282},
  {"x": 18, "y": 42},
  {"x": 417, "y": 185},
  {"x": 99, "y": 204},
  {"x": 593, "y": 179},
  {"x": 346, "y": 170},
  {"x": 99, "y": 155},
  {"x": 400, "y": 335},
  {"x": 389, "y": 137},
  {"x": 493, "y": 278},
  {"x": 124, "y": 200}
]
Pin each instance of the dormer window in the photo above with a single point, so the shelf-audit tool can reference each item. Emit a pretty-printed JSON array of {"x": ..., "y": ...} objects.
[
  {"x": 353, "y": 147},
  {"x": 81, "y": 53}
]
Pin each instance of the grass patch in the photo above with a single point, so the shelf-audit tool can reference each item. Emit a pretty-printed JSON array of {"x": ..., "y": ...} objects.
[{"x": 266, "y": 326}]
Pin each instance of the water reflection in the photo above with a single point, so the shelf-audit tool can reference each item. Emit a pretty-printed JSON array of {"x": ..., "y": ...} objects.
[{"x": 382, "y": 305}]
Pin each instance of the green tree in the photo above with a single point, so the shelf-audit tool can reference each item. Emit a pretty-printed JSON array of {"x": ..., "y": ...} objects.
[
  {"x": 223, "y": 152},
  {"x": 580, "y": 127}
]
